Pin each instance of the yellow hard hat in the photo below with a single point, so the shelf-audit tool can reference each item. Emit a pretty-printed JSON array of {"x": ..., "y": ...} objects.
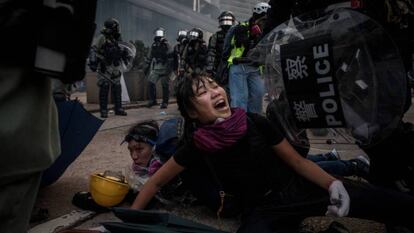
[{"x": 107, "y": 190}]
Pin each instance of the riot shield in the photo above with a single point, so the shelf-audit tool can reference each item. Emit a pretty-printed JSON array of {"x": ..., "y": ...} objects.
[
  {"x": 336, "y": 72},
  {"x": 131, "y": 52}
]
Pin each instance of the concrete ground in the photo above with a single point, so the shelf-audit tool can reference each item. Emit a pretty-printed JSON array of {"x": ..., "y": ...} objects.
[{"x": 105, "y": 153}]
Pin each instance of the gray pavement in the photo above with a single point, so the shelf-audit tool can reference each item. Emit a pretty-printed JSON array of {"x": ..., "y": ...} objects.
[{"x": 105, "y": 153}]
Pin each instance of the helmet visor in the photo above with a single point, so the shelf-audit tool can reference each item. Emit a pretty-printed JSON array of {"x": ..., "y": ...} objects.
[
  {"x": 194, "y": 34},
  {"x": 226, "y": 22},
  {"x": 159, "y": 33},
  {"x": 182, "y": 33}
]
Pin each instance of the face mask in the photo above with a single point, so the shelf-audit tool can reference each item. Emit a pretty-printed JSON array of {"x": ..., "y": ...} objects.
[{"x": 225, "y": 27}]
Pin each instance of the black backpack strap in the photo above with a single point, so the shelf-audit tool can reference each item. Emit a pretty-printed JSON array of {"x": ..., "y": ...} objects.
[{"x": 213, "y": 172}]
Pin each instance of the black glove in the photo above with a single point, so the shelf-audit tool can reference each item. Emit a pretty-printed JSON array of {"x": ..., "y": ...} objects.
[
  {"x": 125, "y": 56},
  {"x": 93, "y": 66},
  {"x": 209, "y": 68},
  {"x": 210, "y": 71},
  {"x": 235, "y": 61},
  {"x": 102, "y": 67}
]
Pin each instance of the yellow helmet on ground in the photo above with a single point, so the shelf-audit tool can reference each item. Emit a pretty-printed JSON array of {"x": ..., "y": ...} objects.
[{"x": 108, "y": 190}]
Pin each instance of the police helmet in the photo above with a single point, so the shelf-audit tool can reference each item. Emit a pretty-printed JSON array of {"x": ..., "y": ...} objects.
[
  {"x": 111, "y": 26},
  {"x": 226, "y": 18},
  {"x": 182, "y": 33},
  {"x": 195, "y": 33},
  {"x": 159, "y": 32},
  {"x": 261, "y": 8}
]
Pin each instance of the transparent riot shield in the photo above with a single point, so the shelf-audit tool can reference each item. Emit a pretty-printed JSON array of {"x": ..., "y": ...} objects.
[
  {"x": 333, "y": 78},
  {"x": 131, "y": 50}
]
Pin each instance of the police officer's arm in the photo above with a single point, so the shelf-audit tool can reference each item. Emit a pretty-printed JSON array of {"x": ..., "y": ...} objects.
[
  {"x": 170, "y": 56},
  {"x": 166, "y": 173},
  {"x": 147, "y": 61},
  {"x": 203, "y": 55},
  {"x": 227, "y": 43},
  {"x": 98, "y": 44},
  {"x": 211, "y": 57},
  {"x": 96, "y": 54},
  {"x": 183, "y": 58}
]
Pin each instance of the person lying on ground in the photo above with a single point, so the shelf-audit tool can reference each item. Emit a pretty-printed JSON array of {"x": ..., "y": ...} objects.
[
  {"x": 141, "y": 139},
  {"x": 250, "y": 160},
  {"x": 334, "y": 165}
]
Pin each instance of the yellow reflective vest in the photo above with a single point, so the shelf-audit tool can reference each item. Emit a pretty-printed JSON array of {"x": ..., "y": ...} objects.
[{"x": 236, "y": 51}]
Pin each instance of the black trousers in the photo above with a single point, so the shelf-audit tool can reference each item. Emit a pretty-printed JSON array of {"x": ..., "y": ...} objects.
[{"x": 283, "y": 211}]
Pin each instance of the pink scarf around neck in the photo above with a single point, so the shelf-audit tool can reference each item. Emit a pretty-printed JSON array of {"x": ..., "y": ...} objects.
[{"x": 221, "y": 135}]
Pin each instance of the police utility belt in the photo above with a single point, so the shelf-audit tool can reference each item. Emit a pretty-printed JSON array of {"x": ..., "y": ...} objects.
[{"x": 160, "y": 60}]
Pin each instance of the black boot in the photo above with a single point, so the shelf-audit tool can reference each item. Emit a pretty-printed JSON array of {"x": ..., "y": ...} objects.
[
  {"x": 104, "y": 114},
  {"x": 152, "y": 93},
  {"x": 117, "y": 97},
  {"x": 165, "y": 93},
  {"x": 103, "y": 99}
]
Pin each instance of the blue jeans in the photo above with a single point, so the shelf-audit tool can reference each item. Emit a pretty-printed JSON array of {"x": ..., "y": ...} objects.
[
  {"x": 246, "y": 88},
  {"x": 332, "y": 166}
]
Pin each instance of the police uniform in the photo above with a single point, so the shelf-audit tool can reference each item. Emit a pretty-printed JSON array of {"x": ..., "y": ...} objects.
[
  {"x": 159, "y": 69},
  {"x": 179, "y": 49},
  {"x": 215, "y": 64},
  {"x": 110, "y": 57},
  {"x": 214, "y": 57},
  {"x": 194, "y": 59}
]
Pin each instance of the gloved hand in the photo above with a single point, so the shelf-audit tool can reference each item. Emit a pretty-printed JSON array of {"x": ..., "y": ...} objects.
[
  {"x": 180, "y": 71},
  {"x": 236, "y": 61},
  {"x": 339, "y": 199},
  {"x": 209, "y": 69},
  {"x": 102, "y": 67},
  {"x": 93, "y": 66}
]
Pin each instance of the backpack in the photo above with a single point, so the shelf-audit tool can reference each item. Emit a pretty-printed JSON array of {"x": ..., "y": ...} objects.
[{"x": 168, "y": 136}]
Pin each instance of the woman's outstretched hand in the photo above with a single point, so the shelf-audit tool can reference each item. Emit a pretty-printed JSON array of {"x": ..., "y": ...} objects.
[{"x": 339, "y": 198}]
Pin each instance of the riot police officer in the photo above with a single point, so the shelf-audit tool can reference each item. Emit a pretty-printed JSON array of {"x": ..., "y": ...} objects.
[
  {"x": 106, "y": 57},
  {"x": 159, "y": 68},
  {"x": 194, "y": 59},
  {"x": 215, "y": 63},
  {"x": 179, "y": 48}
]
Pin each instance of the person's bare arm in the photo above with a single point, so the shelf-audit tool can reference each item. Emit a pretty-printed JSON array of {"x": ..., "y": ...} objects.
[
  {"x": 302, "y": 166},
  {"x": 167, "y": 172}
]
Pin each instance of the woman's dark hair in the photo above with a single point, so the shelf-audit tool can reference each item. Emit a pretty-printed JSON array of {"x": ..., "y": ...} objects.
[
  {"x": 184, "y": 94},
  {"x": 148, "y": 129}
]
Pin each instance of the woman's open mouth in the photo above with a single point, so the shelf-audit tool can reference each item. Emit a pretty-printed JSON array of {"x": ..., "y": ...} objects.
[{"x": 221, "y": 104}]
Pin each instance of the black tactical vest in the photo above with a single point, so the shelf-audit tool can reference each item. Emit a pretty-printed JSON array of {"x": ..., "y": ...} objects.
[
  {"x": 112, "y": 52},
  {"x": 220, "y": 35},
  {"x": 159, "y": 51}
]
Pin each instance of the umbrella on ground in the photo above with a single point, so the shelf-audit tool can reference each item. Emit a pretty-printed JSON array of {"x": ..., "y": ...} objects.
[
  {"x": 77, "y": 128},
  {"x": 154, "y": 221}
]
